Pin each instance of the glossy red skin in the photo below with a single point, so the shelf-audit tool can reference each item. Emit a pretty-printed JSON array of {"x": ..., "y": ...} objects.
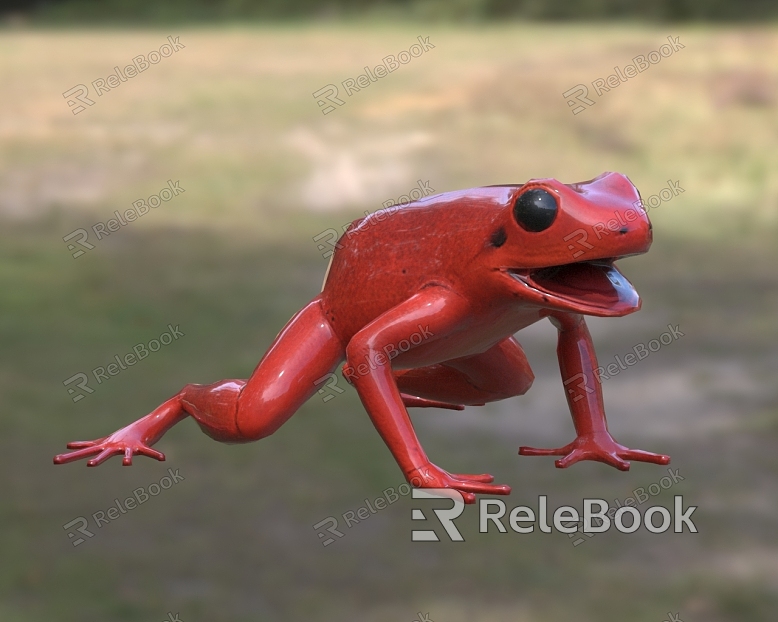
[{"x": 420, "y": 303}]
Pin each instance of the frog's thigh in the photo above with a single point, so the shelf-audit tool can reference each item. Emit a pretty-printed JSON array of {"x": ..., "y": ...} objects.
[{"x": 499, "y": 373}]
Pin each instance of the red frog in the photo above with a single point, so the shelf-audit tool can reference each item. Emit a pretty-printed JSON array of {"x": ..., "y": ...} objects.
[{"x": 422, "y": 303}]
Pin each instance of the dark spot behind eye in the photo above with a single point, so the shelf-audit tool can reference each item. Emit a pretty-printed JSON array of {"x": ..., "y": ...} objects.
[{"x": 499, "y": 237}]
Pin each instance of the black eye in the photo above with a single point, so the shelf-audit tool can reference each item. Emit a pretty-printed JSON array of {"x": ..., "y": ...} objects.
[{"x": 535, "y": 209}]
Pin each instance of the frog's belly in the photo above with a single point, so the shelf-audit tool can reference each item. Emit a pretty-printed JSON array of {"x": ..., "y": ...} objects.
[{"x": 423, "y": 348}]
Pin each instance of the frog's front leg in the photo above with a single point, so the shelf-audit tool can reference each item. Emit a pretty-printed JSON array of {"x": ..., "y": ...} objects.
[
  {"x": 577, "y": 362},
  {"x": 432, "y": 313}
]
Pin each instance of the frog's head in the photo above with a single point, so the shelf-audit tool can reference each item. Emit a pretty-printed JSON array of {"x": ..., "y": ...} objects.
[{"x": 556, "y": 243}]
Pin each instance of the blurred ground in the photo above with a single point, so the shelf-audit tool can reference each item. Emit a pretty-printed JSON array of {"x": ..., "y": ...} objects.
[{"x": 264, "y": 171}]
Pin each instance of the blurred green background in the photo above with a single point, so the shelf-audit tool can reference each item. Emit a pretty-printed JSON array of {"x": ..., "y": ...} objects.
[{"x": 232, "y": 117}]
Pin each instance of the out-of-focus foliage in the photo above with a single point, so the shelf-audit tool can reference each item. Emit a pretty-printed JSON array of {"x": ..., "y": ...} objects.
[{"x": 445, "y": 10}]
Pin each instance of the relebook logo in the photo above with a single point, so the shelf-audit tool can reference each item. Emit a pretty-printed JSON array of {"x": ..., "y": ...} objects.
[{"x": 597, "y": 517}]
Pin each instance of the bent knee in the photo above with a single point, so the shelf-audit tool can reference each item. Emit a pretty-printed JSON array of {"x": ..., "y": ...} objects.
[{"x": 213, "y": 407}]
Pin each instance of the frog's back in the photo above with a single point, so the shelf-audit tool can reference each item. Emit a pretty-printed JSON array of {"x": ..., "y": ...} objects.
[{"x": 391, "y": 254}]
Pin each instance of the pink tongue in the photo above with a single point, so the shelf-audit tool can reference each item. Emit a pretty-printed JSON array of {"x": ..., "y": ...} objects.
[{"x": 597, "y": 285}]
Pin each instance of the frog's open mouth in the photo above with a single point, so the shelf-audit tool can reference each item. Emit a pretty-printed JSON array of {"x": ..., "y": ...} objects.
[{"x": 594, "y": 287}]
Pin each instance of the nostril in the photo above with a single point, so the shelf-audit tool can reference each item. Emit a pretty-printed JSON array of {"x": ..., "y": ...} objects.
[{"x": 623, "y": 230}]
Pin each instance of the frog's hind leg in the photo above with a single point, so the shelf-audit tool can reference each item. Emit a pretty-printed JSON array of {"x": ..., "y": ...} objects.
[
  {"x": 497, "y": 374},
  {"x": 236, "y": 411},
  {"x": 292, "y": 370}
]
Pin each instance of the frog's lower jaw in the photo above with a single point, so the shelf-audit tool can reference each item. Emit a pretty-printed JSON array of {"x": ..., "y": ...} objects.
[{"x": 589, "y": 287}]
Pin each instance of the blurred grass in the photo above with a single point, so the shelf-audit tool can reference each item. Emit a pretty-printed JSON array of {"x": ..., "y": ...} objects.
[{"x": 232, "y": 117}]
